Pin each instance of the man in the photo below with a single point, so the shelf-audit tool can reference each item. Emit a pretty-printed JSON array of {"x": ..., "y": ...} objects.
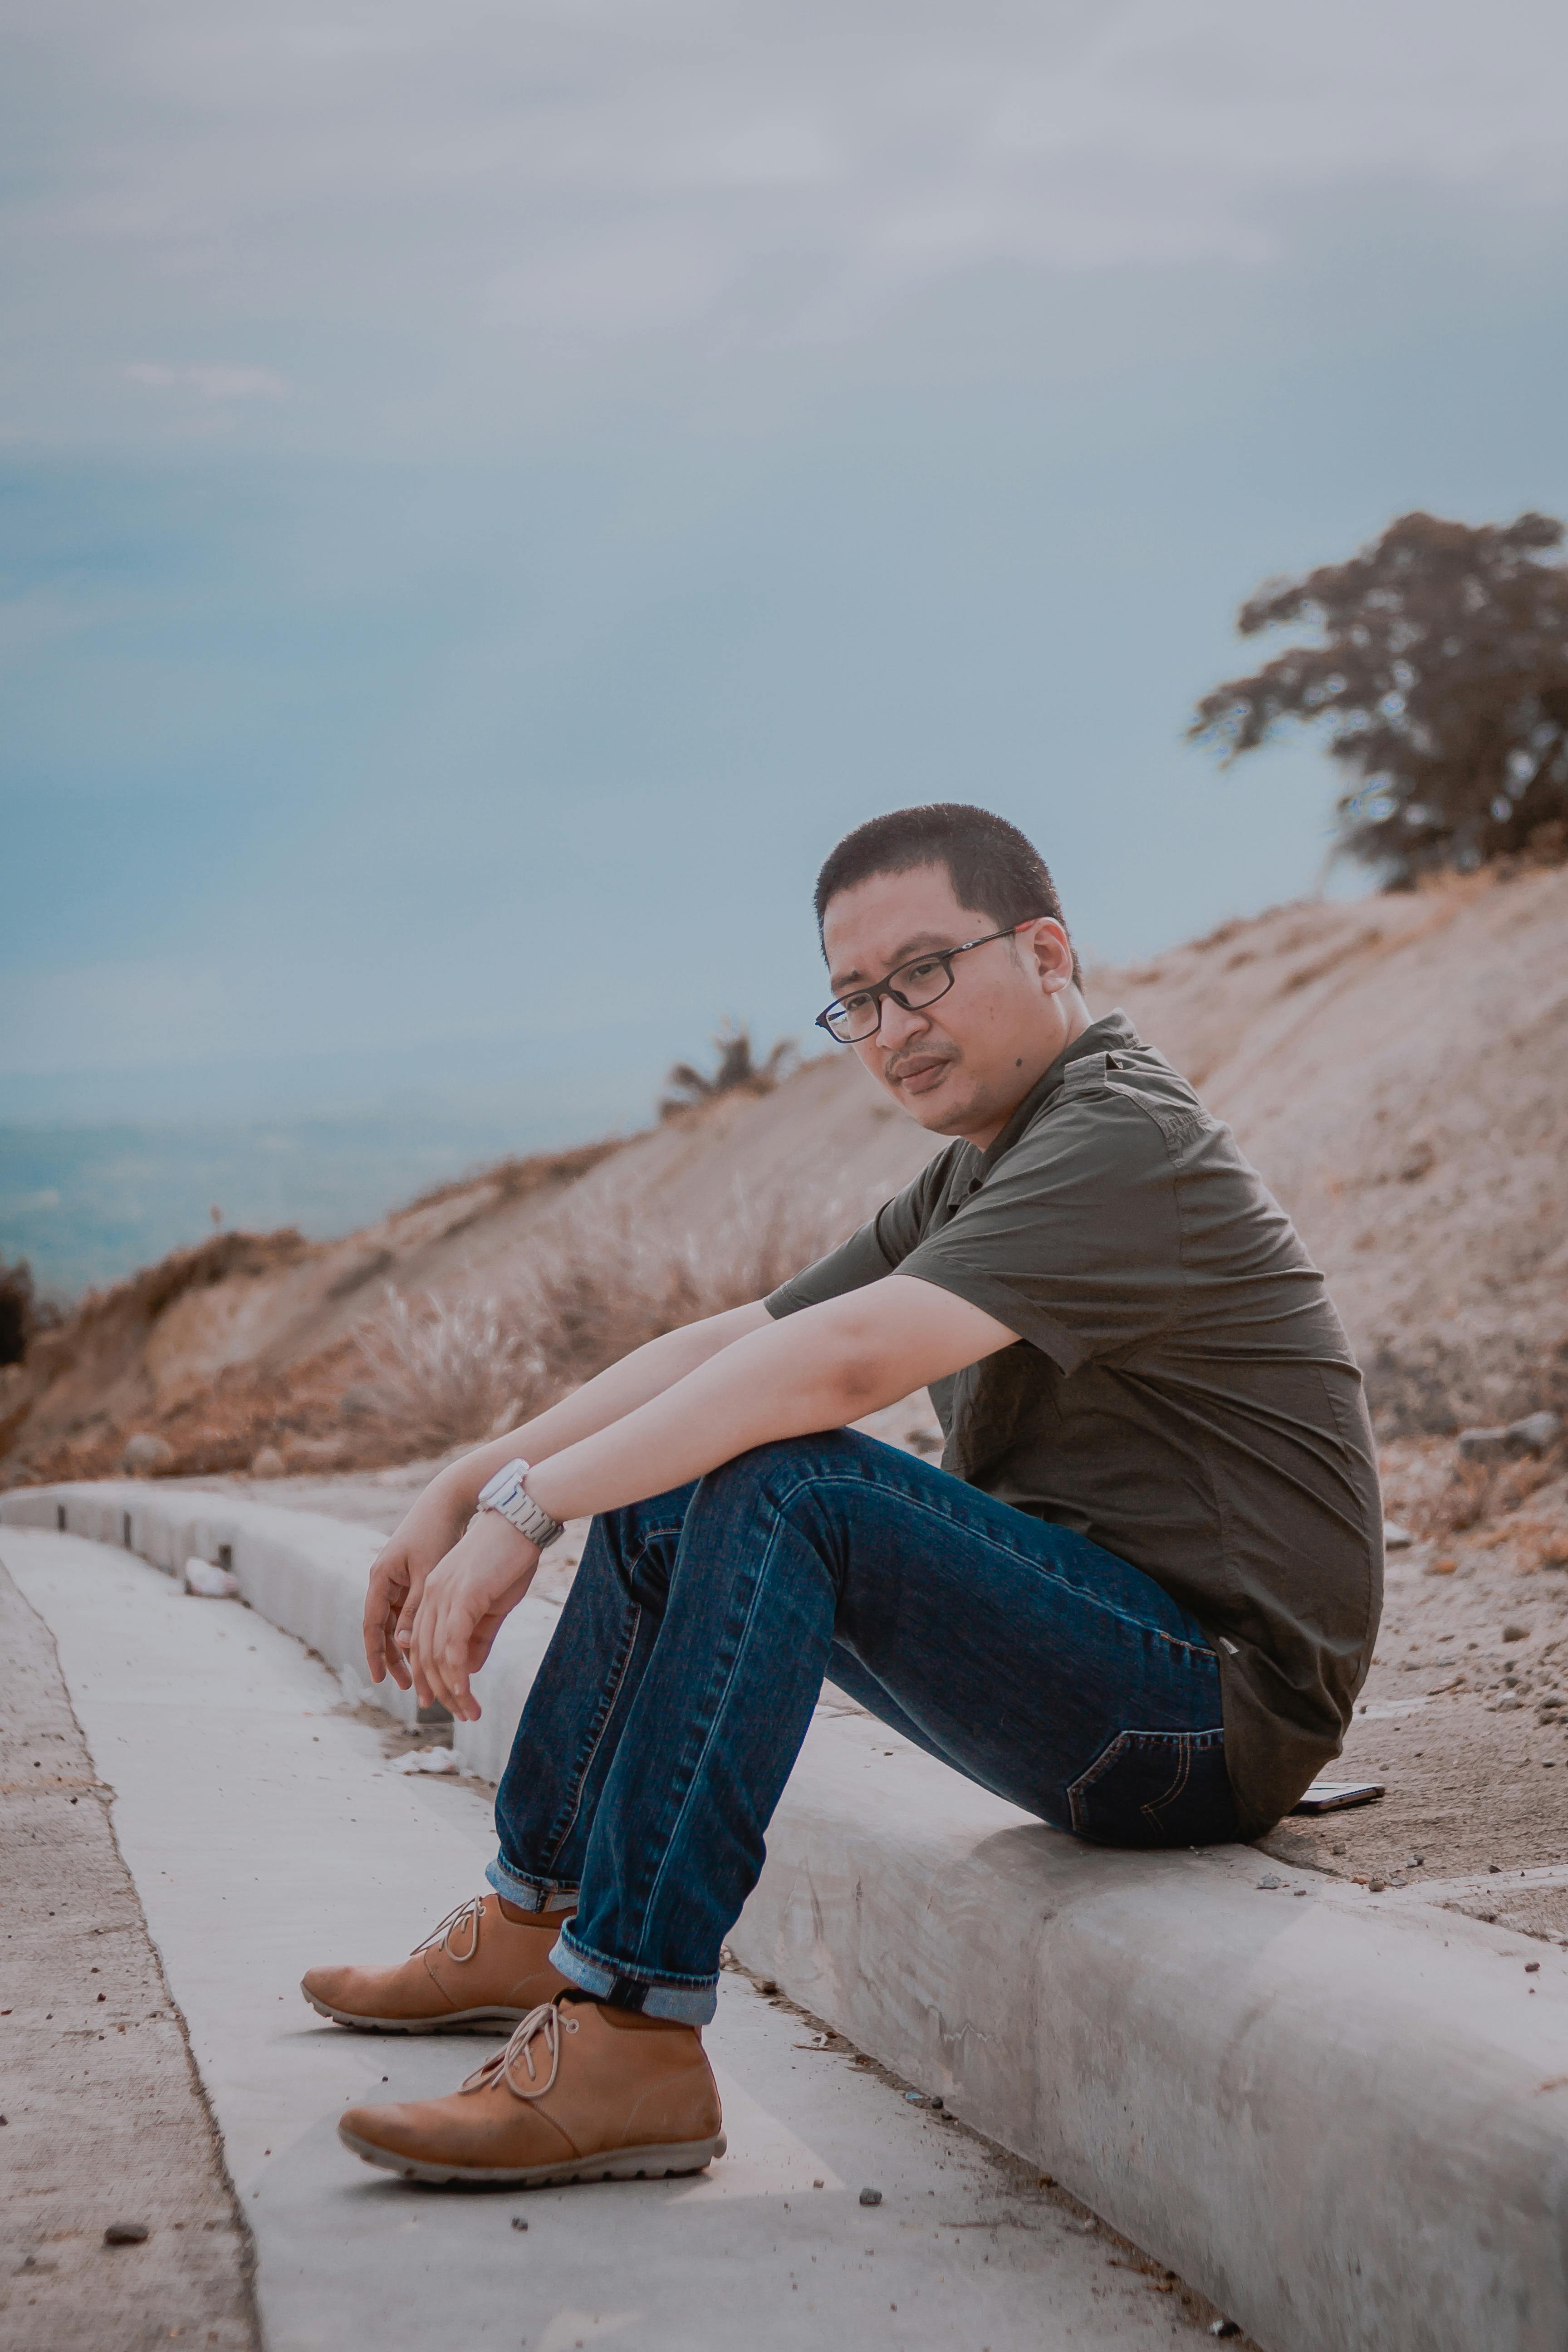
[{"x": 1137, "y": 1598}]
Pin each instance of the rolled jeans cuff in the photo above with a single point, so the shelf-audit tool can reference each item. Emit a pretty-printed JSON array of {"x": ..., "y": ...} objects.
[
  {"x": 528, "y": 1894},
  {"x": 689, "y": 2000}
]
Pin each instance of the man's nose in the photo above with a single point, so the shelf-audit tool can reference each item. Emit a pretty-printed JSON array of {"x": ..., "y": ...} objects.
[{"x": 898, "y": 1024}]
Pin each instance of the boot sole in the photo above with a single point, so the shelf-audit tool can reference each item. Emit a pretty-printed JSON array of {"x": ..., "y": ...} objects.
[
  {"x": 461, "y": 2020},
  {"x": 621, "y": 2164}
]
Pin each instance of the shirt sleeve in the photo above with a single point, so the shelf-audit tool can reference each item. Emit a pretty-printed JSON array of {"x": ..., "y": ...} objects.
[
  {"x": 1074, "y": 1239},
  {"x": 876, "y": 1249}
]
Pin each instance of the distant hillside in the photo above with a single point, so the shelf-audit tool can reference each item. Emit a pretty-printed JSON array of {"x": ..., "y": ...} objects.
[{"x": 1398, "y": 1068}]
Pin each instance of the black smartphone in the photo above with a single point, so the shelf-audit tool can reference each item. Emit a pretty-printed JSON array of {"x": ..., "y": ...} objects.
[{"x": 1333, "y": 1796}]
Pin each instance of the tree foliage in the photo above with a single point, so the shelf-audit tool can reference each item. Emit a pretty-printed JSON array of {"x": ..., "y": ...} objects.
[
  {"x": 1441, "y": 674},
  {"x": 18, "y": 1310},
  {"x": 737, "y": 1071}
]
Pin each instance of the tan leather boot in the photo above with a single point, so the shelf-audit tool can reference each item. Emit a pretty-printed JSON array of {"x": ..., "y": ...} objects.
[
  {"x": 580, "y": 2093},
  {"x": 476, "y": 1970}
]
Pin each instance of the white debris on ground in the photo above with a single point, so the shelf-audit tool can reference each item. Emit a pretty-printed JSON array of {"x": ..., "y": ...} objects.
[{"x": 209, "y": 1583}]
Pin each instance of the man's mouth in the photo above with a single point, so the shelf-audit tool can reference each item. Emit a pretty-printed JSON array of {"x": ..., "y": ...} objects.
[{"x": 920, "y": 1073}]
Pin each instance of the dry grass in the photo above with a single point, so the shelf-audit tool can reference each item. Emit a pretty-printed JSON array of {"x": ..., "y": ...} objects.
[
  {"x": 596, "y": 1281},
  {"x": 1464, "y": 1500}
]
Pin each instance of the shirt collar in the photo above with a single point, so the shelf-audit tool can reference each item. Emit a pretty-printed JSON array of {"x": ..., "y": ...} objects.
[{"x": 1102, "y": 1036}]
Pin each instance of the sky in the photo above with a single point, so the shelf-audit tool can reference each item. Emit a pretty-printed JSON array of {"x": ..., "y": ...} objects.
[{"x": 488, "y": 493}]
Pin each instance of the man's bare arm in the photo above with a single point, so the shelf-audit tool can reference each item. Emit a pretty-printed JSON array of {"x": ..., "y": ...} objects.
[
  {"x": 809, "y": 1371},
  {"x": 428, "y": 1531}
]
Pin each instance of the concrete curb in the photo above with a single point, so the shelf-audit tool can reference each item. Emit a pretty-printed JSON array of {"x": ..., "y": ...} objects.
[{"x": 1344, "y": 2117}]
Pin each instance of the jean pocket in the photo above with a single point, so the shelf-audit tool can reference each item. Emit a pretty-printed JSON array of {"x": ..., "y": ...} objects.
[{"x": 1156, "y": 1787}]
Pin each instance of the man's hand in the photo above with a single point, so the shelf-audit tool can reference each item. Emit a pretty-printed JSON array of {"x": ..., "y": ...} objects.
[
  {"x": 422, "y": 1537},
  {"x": 461, "y": 1610}
]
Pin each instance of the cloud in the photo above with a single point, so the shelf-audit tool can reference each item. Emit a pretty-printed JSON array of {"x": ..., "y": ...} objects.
[
  {"x": 441, "y": 189},
  {"x": 209, "y": 382}
]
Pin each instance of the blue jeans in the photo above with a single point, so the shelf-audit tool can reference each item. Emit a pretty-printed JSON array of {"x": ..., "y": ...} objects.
[{"x": 676, "y": 1693}]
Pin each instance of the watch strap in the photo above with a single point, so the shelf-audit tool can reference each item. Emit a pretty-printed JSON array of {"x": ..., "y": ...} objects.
[{"x": 507, "y": 1494}]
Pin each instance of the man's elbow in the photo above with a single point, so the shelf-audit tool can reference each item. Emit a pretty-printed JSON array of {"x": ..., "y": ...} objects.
[{"x": 862, "y": 1377}]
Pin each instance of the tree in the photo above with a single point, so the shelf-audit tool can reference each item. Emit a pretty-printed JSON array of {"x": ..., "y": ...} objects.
[
  {"x": 18, "y": 1310},
  {"x": 1442, "y": 676},
  {"x": 736, "y": 1072}
]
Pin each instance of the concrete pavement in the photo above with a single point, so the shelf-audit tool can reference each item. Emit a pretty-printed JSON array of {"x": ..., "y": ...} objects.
[
  {"x": 1339, "y": 2113},
  {"x": 265, "y": 1828}
]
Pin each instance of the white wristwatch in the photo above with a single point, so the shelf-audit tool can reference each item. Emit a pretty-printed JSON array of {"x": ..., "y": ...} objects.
[{"x": 505, "y": 1492}]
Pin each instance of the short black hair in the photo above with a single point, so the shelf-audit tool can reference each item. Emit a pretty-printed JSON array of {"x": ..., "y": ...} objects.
[{"x": 992, "y": 865}]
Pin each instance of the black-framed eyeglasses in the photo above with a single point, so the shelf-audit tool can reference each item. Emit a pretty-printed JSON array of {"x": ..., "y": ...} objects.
[{"x": 852, "y": 1019}]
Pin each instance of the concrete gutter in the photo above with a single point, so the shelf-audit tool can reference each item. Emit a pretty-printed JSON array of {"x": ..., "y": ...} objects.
[
  {"x": 1344, "y": 2117},
  {"x": 303, "y": 1572}
]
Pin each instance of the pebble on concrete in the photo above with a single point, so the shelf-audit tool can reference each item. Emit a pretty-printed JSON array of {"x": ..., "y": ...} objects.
[
  {"x": 871, "y": 2197},
  {"x": 125, "y": 2233}
]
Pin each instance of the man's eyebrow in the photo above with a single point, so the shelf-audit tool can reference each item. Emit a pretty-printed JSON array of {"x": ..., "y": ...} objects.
[{"x": 913, "y": 946}]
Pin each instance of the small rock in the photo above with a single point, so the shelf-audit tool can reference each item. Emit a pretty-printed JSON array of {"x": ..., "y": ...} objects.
[
  {"x": 1377, "y": 1885},
  {"x": 146, "y": 1454},
  {"x": 871, "y": 2197},
  {"x": 1516, "y": 1633},
  {"x": 1534, "y": 1435},
  {"x": 1532, "y": 1967},
  {"x": 937, "y": 2102},
  {"x": 1446, "y": 1566},
  {"x": 1268, "y": 1884},
  {"x": 267, "y": 1464},
  {"x": 518, "y": 2222},
  {"x": 125, "y": 2233},
  {"x": 1507, "y": 1705},
  {"x": 210, "y": 1583},
  {"x": 1224, "y": 2328},
  {"x": 1396, "y": 1538},
  {"x": 1495, "y": 1868}
]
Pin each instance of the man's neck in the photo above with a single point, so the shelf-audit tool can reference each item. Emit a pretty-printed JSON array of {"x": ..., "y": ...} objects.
[{"x": 1075, "y": 1019}]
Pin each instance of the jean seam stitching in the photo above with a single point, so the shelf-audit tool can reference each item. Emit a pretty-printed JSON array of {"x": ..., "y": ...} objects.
[
  {"x": 614, "y": 1681},
  {"x": 1156, "y": 1805},
  {"x": 619, "y": 1667},
  {"x": 1112, "y": 1753},
  {"x": 1175, "y": 1641},
  {"x": 637, "y": 1969},
  {"x": 716, "y": 1709}
]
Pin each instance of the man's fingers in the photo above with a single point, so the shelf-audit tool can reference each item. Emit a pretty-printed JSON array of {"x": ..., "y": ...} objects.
[{"x": 389, "y": 1582}]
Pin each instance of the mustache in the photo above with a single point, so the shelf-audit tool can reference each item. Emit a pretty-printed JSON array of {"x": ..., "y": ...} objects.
[{"x": 895, "y": 1065}]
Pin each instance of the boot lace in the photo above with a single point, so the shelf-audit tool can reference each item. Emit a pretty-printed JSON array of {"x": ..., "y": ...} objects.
[
  {"x": 468, "y": 1914},
  {"x": 546, "y": 2021}
]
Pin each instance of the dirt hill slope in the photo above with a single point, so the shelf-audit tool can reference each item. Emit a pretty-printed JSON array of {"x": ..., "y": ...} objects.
[{"x": 1398, "y": 1069}]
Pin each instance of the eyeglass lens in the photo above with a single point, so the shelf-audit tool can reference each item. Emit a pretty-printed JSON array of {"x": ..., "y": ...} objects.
[{"x": 920, "y": 985}]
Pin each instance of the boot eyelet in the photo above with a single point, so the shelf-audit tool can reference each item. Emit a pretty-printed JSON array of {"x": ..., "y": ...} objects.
[{"x": 570, "y": 2025}]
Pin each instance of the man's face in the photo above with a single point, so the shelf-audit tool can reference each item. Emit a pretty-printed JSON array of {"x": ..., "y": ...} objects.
[{"x": 961, "y": 1066}]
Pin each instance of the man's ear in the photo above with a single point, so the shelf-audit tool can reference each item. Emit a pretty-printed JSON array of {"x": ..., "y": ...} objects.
[{"x": 1052, "y": 952}]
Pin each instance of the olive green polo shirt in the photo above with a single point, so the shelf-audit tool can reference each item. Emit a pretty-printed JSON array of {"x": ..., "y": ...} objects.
[{"x": 1182, "y": 1391}]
